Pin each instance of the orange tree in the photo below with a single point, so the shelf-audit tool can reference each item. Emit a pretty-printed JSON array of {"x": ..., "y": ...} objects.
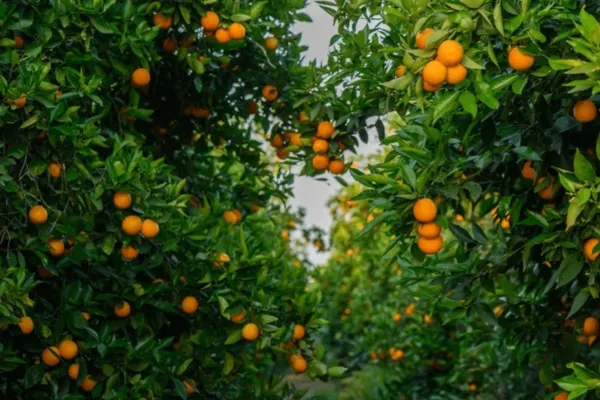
[
  {"x": 495, "y": 147},
  {"x": 140, "y": 239}
]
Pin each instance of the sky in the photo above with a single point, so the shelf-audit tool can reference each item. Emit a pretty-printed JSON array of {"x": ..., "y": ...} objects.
[{"x": 308, "y": 192}]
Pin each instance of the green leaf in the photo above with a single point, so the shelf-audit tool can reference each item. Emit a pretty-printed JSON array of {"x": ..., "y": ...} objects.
[
  {"x": 399, "y": 83},
  {"x": 468, "y": 102},
  {"x": 234, "y": 337},
  {"x": 583, "y": 169},
  {"x": 180, "y": 389},
  {"x": 485, "y": 94},
  {"x": 34, "y": 375},
  {"x": 569, "y": 269},
  {"x": 578, "y": 302},
  {"x": 257, "y": 9},
  {"x": 240, "y": 17},
  {"x": 572, "y": 213},
  {"x": 336, "y": 372},
  {"x": 470, "y": 64},
  {"x": 30, "y": 121},
  {"x": 102, "y": 26},
  {"x": 445, "y": 104},
  {"x": 498, "y": 21},
  {"x": 519, "y": 84},
  {"x": 185, "y": 14},
  {"x": 461, "y": 234},
  {"x": 184, "y": 366},
  {"x": 228, "y": 365}
]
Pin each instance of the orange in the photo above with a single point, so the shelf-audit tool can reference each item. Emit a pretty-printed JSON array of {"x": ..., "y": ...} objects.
[
  {"x": 38, "y": 215},
  {"x": 252, "y": 107},
  {"x": 430, "y": 246},
  {"x": 397, "y": 317},
  {"x": 299, "y": 332},
  {"x": 58, "y": 94},
  {"x": 19, "y": 42},
  {"x": 170, "y": 45},
  {"x": 26, "y": 325},
  {"x": 57, "y": 247},
  {"x": 250, "y": 332},
  {"x": 237, "y": 318},
  {"x": 150, "y": 228},
  {"x": 271, "y": 43},
  {"x": 285, "y": 235},
  {"x": 50, "y": 356},
  {"x": 122, "y": 310},
  {"x": 132, "y": 225},
  {"x": 459, "y": 218},
  {"x": 163, "y": 22},
  {"x": 546, "y": 193},
  {"x": 222, "y": 35},
  {"x": 68, "y": 349},
  {"x": 427, "y": 319},
  {"x": 400, "y": 71},
  {"x": 591, "y": 326},
  {"x": 230, "y": 217},
  {"x": 428, "y": 87},
  {"x": 122, "y": 200},
  {"x": 398, "y": 354},
  {"x": 588, "y": 249},
  {"x": 189, "y": 305},
  {"x": 337, "y": 167},
  {"x": 302, "y": 117},
  {"x": 422, "y": 38},
  {"x": 584, "y": 111},
  {"x": 199, "y": 112},
  {"x": 237, "y": 31},
  {"x": 55, "y": 170},
  {"x": 320, "y": 162},
  {"x": 210, "y": 21},
  {"x": 21, "y": 101},
  {"x": 325, "y": 130},
  {"x": 320, "y": 146},
  {"x": 472, "y": 387},
  {"x": 269, "y": 93},
  {"x": 450, "y": 53},
  {"x": 456, "y": 74},
  {"x": 299, "y": 365},
  {"x": 425, "y": 210},
  {"x": 238, "y": 214},
  {"x": 129, "y": 252},
  {"x": 277, "y": 141},
  {"x": 73, "y": 371},
  {"x": 190, "y": 386},
  {"x": 505, "y": 224},
  {"x": 429, "y": 230},
  {"x": 435, "y": 72},
  {"x": 562, "y": 396},
  {"x": 88, "y": 384},
  {"x": 498, "y": 310},
  {"x": 295, "y": 139},
  {"x": 519, "y": 61},
  {"x": 528, "y": 171},
  {"x": 86, "y": 315},
  {"x": 140, "y": 78},
  {"x": 410, "y": 309}
]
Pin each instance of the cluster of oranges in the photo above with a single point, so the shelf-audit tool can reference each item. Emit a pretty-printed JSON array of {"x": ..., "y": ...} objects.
[
  {"x": 132, "y": 225},
  {"x": 280, "y": 142},
  {"x": 67, "y": 350},
  {"x": 297, "y": 360},
  {"x": 211, "y": 24},
  {"x": 430, "y": 241},
  {"x": 321, "y": 161},
  {"x": 233, "y": 217}
]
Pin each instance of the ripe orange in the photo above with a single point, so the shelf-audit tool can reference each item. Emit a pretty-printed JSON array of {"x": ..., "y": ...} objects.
[
  {"x": 269, "y": 93},
  {"x": 591, "y": 326},
  {"x": 26, "y": 325},
  {"x": 397, "y": 317},
  {"x": 122, "y": 310},
  {"x": 50, "y": 356},
  {"x": 129, "y": 252},
  {"x": 150, "y": 228},
  {"x": 528, "y": 171},
  {"x": 74, "y": 371},
  {"x": 199, "y": 112},
  {"x": 472, "y": 387},
  {"x": 230, "y": 217},
  {"x": 250, "y": 332},
  {"x": 21, "y": 101},
  {"x": 190, "y": 386},
  {"x": 459, "y": 218},
  {"x": 400, "y": 70},
  {"x": 429, "y": 230},
  {"x": 57, "y": 247},
  {"x": 295, "y": 139},
  {"x": 252, "y": 107},
  {"x": 68, "y": 349},
  {"x": 86, "y": 315},
  {"x": 38, "y": 215},
  {"x": 285, "y": 235},
  {"x": 163, "y": 22},
  {"x": 320, "y": 162},
  {"x": 519, "y": 61},
  {"x": 320, "y": 146},
  {"x": 456, "y": 74},
  {"x": 450, "y": 53},
  {"x": 237, "y": 31},
  {"x": 88, "y": 384},
  {"x": 271, "y": 43},
  {"x": 170, "y": 45},
  {"x": 302, "y": 117},
  {"x": 140, "y": 78},
  {"x": 410, "y": 309},
  {"x": 428, "y": 87},
  {"x": 422, "y": 38},
  {"x": 562, "y": 396},
  {"x": 122, "y": 200},
  {"x": 55, "y": 170},
  {"x": 430, "y": 246},
  {"x": 299, "y": 365},
  {"x": 585, "y": 111},
  {"x": 210, "y": 21},
  {"x": 299, "y": 332},
  {"x": 337, "y": 167},
  {"x": 546, "y": 193},
  {"x": 189, "y": 305},
  {"x": 237, "y": 318},
  {"x": 19, "y": 42},
  {"x": 325, "y": 130},
  {"x": 435, "y": 72},
  {"x": 397, "y": 355},
  {"x": 222, "y": 35},
  {"x": 424, "y": 210},
  {"x": 132, "y": 225},
  {"x": 505, "y": 224},
  {"x": 238, "y": 214},
  {"x": 277, "y": 141},
  {"x": 588, "y": 249}
]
